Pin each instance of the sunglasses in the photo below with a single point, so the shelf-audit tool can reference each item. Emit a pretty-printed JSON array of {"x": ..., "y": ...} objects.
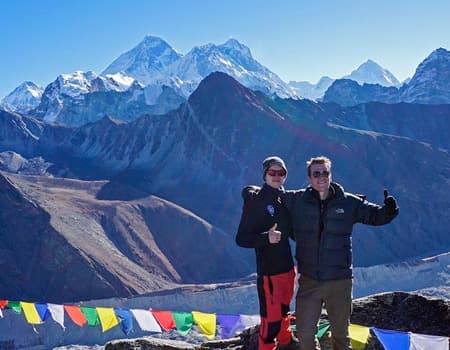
[
  {"x": 317, "y": 174},
  {"x": 272, "y": 172}
]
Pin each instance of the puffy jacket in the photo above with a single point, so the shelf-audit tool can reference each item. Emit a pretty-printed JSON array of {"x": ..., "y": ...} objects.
[
  {"x": 323, "y": 229},
  {"x": 261, "y": 210}
]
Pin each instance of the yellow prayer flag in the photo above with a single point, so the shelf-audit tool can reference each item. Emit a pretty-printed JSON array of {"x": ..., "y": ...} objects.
[
  {"x": 359, "y": 336},
  {"x": 107, "y": 318},
  {"x": 206, "y": 323},
  {"x": 31, "y": 314}
]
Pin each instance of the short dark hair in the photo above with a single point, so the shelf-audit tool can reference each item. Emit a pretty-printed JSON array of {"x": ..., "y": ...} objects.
[{"x": 318, "y": 160}]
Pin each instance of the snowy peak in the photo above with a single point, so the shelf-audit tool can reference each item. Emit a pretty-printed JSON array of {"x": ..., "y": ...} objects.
[
  {"x": 371, "y": 72},
  {"x": 23, "y": 98},
  {"x": 234, "y": 59},
  {"x": 236, "y": 46},
  {"x": 431, "y": 81},
  {"x": 146, "y": 62},
  {"x": 76, "y": 83}
]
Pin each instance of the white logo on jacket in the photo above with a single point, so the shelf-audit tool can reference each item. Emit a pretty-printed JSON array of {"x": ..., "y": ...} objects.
[
  {"x": 340, "y": 211},
  {"x": 271, "y": 210}
]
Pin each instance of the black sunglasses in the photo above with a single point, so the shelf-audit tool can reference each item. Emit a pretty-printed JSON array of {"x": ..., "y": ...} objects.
[{"x": 317, "y": 174}]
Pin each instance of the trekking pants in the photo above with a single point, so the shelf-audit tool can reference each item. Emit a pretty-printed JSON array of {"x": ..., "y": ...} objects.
[
  {"x": 275, "y": 293},
  {"x": 337, "y": 297}
]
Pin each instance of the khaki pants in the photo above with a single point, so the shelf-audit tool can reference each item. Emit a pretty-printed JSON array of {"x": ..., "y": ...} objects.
[{"x": 337, "y": 297}]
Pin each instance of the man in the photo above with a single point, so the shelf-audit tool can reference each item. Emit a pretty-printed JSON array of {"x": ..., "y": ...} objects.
[
  {"x": 323, "y": 216},
  {"x": 266, "y": 226}
]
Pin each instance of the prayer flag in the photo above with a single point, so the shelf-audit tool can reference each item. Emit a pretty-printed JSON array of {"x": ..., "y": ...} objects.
[
  {"x": 30, "y": 312},
  {"x": 227, "y": 325},
  {"x": 206, "y": 322},
  {"x": 165, "y": 319},
  {"x": 427, "y": 342},
  {"x": 322, "y": 329},
  {"x": 183, "y": 321},
  {"x": 43, "y": 312},
  {"x": 126, "y": 320},
  {"x": 91, "y": 315},
  {"x": 75, "y": 314},
  {"x": 107, "y": 317},
  {"x": 3, "y": 304},
  {"x": 392, "y": 340},
  {"x": 15, "y": 306},
  {"x": 145, "y": 320},
  {"x": 57, "y": 313},
  {"x": 359, "y": 336}
]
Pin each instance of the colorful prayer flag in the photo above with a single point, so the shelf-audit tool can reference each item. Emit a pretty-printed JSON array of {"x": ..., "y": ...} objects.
[
  {"x": 91, "y": 315},
  {"x": 43, "y": 312},
  {"x": 392, "y": 340},
  {"x": 206, "y": 322},
  {"x": 145, "y": 320},
  {"x": 30, "y": 312},
  {"x": 183, "y": 321},
  {"x": 165, "y": 319},
  {"x": 15, "y": 306},
  {"x": 227, "y": 325},
  {"x": 75, "y": 314},
  {"x": 126, "y": 320},
  {"x": 427, "y": 342},
  {"x": 107, "y": 318},
  {"x": 57, "y": 313},
  {"x": 322, "y": 329},
  {"x": 359, "y": 336}
]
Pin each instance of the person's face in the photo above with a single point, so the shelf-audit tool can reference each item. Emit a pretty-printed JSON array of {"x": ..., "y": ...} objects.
[
  {"x": 320, "y": 177},
  {"x": 275, "y": 176}
]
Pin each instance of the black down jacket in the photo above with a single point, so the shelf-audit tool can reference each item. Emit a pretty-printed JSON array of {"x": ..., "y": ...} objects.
[{"x": 262, "y": 209}]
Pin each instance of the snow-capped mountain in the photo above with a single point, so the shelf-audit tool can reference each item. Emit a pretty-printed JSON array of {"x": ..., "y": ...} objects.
[
  {"x": 431, "y": 81},
  {"x": 234, "y": 59},
  {"x": 24, "y": 98},
  {"x": 71, "y": 86},
  {"x": 154, "y": 61},
  {"x": 305, "y": 89},
  {"x": 147, "y": 62},
  {"x": 371, "y": 72},
  {"x": 367, "y": 73}
]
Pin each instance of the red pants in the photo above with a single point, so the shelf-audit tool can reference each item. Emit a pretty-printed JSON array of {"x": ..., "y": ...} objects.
[{"x": 275, "y": 294}]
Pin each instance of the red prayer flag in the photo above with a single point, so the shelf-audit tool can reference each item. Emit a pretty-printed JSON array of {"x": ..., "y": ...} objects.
[
  {"x": 164, "y": 318},
  {"x": 3, "y": 303},
  {"x": 75, "y": 314}
]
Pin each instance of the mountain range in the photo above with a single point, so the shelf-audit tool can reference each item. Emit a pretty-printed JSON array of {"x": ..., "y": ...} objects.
[
  {"x": 153, "y": 78},
  {"x": 171, "y": 184}
]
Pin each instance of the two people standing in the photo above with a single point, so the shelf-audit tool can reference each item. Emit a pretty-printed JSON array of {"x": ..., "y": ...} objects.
[{"x": 322, "y": 218}]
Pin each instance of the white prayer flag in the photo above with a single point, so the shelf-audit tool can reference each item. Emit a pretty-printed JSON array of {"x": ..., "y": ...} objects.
[
  {"x": 146, "y": 320},
  {"x": 427, "y": 342},
  {"x": 57, "y": 313}
]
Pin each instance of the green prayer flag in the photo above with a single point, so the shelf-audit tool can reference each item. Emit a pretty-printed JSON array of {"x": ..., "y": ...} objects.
[
  {"x": 183, "y": 321},
  {"x": 15, "y": 306},
  {"x": 323, "y": 328},
  {"x": 91, "y": 315}
]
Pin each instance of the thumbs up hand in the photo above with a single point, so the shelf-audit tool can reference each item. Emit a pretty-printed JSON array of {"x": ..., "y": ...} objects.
[{"x": 274, "y": 235}]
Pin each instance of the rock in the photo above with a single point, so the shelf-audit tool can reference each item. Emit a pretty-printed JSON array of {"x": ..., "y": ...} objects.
[{"x": 148, "y": 343}]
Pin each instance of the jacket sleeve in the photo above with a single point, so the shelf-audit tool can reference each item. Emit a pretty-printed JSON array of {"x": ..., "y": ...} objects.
[
  {"x": 247, "y": 235},
  {"x": 371, "y": 214}
]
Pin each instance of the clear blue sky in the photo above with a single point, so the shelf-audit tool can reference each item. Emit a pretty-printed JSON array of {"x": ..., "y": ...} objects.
[{"x": 297, "y": 39}]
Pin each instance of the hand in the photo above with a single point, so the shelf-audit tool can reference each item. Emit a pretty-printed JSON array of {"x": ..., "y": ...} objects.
[
  {"x": 390, "y": 203},
  {"x": 274, "y": 235}
]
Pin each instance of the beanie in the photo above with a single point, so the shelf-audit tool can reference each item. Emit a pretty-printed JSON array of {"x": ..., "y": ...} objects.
[{"x": 270, "y": 161}]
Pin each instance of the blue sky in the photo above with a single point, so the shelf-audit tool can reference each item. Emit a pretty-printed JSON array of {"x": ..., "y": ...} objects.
[{"x": 297, "y": 39}]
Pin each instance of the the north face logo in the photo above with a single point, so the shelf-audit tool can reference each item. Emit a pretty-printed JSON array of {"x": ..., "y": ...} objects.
[{"x": 340, "y": 211}]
